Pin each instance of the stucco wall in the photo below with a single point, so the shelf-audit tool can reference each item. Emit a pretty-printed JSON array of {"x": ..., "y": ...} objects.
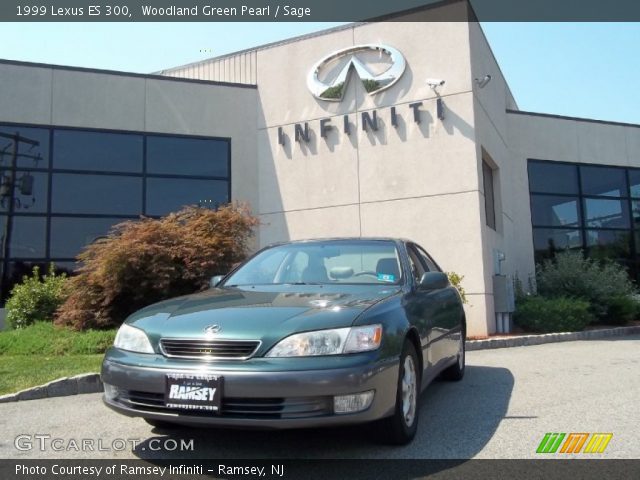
[
  {"x": 46, "y": 95},
  {"x": 418, "y": 181},
  {"x": 492, "y": 144}
]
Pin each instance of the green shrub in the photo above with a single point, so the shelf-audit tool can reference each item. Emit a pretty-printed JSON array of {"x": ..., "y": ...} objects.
[
  {"x": 621, "y": 310},
  {"x": 456, "y": 281},
  {"x": 36, "y": 298},
  {"x": 560, "y": 314},
  {"x": 602, "y": 283},
  {"x": 144, "y": 261}
]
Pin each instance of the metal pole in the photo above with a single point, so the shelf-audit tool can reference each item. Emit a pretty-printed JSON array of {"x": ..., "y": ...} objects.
[{"x": 8, "y": 226}]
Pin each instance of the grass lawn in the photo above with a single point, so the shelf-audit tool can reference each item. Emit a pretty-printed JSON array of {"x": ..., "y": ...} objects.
[
  {"x": 18, "y": 372},
  {"x": 41, "y": 352}
]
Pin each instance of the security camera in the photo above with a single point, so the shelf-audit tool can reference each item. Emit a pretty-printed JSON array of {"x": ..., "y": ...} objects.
[
  {"x": 482, "y": 82},
  {"x": 435, "y": 82}
]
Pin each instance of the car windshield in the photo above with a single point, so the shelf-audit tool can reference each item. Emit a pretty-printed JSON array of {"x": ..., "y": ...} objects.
[{"x": 323, "y": 262}]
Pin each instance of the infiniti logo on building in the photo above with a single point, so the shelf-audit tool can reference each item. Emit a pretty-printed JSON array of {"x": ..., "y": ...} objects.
[{"x": 359, "y": 55}]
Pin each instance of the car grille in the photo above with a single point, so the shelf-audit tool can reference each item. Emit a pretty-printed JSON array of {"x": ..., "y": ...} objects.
[
  {"x": 209, "y": 349},
  {"x": 254, "y": 408}
]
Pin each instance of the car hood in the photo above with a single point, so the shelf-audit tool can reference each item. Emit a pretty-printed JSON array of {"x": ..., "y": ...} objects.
[{"x": 265, "y": 313}]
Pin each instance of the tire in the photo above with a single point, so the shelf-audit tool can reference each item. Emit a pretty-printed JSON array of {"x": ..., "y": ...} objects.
[
  {"x": 455, "y": 372},
  {"x": 161, "y": 424},
  {"x": 401, "y": 427}
]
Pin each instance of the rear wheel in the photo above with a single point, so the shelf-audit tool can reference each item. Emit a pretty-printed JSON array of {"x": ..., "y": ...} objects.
[
  {"x": 401, "y": 427},
  {"x": 455, "y": 372}
]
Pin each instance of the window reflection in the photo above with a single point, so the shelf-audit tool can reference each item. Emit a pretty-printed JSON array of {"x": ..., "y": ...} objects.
[
  {"x": 89, "y": 180},
  {"x": 547, "y": 177},
  {"x": 29, "y": 156},
  {"x": 187, "y": 156},
  {"x": 168, "y": 195},
  {"x": 30, "y": 192},
  {"x": 101, "y": 194},
  {"x": 609, "y": 244},
  {"x": 634, "y": 182},
  {"x": 70, "y": 234},
  {"x": 552, "y": 211},
  {"x": 610, "y": 182},
  {"x": 601, "y": 213},
  {"x": 98, "y": 151},
  {"x": 549, "y": 241},
  {"x": 28, "y": 237}
]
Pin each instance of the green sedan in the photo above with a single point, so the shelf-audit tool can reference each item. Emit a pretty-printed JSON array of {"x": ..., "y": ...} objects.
[{"x": 303, "y": 334}]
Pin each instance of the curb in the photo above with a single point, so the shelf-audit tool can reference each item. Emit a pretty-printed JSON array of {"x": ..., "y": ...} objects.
[
  {"x": 525, "y": 340},
  {"x": 62, "y": 387}
]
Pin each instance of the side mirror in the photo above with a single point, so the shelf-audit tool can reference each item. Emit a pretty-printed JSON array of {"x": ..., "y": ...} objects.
[
  {"x": 215, "y": 281},
  {"x": 433, "y": 281}
]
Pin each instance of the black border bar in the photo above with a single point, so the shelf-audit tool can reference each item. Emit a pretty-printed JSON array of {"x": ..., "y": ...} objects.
[
  {"x": 319, "y": 10},
  {"x": 285, "y": 469}
]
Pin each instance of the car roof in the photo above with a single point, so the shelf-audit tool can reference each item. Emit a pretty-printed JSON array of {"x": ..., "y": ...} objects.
[{"x": 333, "y": 239}]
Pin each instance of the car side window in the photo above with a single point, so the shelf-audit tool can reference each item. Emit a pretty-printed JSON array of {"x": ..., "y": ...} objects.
[
  {"x": 417, "y": 269},
  {"x": 427, "y": 260}
]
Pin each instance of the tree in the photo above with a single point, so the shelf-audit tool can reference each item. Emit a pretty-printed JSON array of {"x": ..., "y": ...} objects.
[{"x": 144, "y": 261}]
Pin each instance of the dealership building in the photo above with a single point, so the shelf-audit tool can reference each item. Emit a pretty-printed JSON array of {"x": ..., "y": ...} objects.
[{"x": 393, "y": 129}]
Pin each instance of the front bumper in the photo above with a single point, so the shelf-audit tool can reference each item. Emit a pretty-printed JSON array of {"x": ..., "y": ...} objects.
[{"x": 255, "y": 397}]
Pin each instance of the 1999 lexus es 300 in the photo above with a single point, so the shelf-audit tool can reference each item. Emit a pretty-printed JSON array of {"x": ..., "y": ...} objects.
[{"x": 303, "y": 334}]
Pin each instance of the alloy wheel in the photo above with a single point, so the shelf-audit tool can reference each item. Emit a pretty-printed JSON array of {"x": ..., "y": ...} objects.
[{"x": 409, "y": 391}]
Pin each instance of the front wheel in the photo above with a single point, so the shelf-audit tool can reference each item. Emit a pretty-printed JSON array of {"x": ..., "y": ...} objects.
[{"x": 401, "y": 427}]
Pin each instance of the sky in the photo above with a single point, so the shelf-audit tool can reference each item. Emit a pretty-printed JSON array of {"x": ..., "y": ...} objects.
[{"x": 586, "y": 70}]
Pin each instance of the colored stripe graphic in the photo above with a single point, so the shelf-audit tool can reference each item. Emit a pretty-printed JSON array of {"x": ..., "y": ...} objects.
[
  {"x": 574, "y": 443},
  {"x": 598, "y": 442},
  {"x": 550, "y": 443}
]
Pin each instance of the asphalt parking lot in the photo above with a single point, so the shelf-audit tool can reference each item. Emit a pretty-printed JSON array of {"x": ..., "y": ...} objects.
[{"x": 508, "y": 400}]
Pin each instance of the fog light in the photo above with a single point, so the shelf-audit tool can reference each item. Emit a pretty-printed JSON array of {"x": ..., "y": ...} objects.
[
  {"x": 110, "y": 391},
  {"x": 352, "y": 403}
]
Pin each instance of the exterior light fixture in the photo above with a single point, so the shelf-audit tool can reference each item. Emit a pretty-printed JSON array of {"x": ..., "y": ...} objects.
[
  {"x": 482, "y": 82},
  {"x": 434, "y": 83}
]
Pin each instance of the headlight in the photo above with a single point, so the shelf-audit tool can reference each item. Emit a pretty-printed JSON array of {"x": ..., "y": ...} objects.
[
  {"x": 132, "y": 339},
  {"x": 329, "y": 342}
]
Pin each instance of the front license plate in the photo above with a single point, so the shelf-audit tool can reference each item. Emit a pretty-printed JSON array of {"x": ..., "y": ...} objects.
[{"x": 193, "y": 392}]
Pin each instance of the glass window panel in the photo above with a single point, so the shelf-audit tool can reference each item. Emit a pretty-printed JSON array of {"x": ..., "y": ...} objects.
[
  {"x": 28, "y": 236},
  {"x": 546, "y": 177},
  {"x": 489, "y": 202},
  {"x": 552, "y": 211},
  {"x": 634, "y": 180},
  {"x": 611, "y": 182},
  {"x": 166, "y": 195},
  {"x": 187, "y": 156},
  {"x": 30, "y": 191},
  {"x": 98, "y": 151},
  {"x": 609, "y": 244},
  {"x": 600, "y": 213},
  {"x": 69, "y": 235},
  {"x": 96, "y": 194},
  {"x": 29, "y": 156},
  {"x": 635, "y": 207},
  {"x": 548, "y": 241}
]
